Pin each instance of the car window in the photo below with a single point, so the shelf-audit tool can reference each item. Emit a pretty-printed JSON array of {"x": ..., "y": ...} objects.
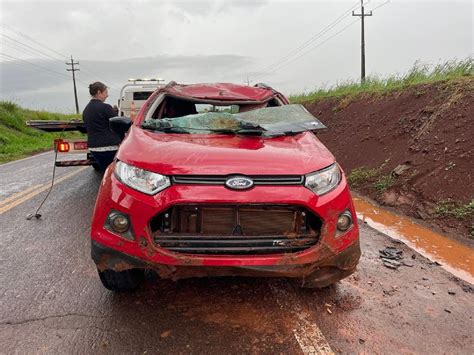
[{"x": 204, "y": 108}]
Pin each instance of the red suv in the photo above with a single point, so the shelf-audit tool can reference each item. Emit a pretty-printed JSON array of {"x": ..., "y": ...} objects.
[{"x": 223, "y": 179}]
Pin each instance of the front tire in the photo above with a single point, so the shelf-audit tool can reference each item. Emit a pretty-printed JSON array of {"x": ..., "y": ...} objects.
[{"x": 122, "y": 281}]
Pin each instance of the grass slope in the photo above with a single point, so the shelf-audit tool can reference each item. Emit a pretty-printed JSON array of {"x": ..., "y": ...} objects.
[
  {"x": 419, "y": 74},
  {"x": 17, "y": 140}
]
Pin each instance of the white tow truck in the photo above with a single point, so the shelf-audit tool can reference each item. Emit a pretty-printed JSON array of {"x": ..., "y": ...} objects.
[{"x": 133, "y": 96}]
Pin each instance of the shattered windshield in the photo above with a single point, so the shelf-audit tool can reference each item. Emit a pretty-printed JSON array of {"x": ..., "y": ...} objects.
[{"x": 269, "y": 121}]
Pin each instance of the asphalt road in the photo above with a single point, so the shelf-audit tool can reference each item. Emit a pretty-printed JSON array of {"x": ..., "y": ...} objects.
[{"x": 51, "y": 299}]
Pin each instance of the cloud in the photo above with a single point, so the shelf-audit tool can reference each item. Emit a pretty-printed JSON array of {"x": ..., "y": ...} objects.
[
  {"x": 210, "y": 41},
  {"x": 18, "y": 77},
  {"x": 211, "y": 8},
  {"x": 54, "y": 92}
]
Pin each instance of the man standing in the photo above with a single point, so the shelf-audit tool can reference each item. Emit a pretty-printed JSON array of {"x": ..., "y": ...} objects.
[{"x": 101, "y": 140}]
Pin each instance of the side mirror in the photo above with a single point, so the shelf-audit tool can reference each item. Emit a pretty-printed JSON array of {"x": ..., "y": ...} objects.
[{"x": 120, "y": 125}]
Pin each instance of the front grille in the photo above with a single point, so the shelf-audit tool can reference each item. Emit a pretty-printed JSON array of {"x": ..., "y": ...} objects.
[
  {"x": 221, "y": 179},
  {"x": 235, "y": 229}
]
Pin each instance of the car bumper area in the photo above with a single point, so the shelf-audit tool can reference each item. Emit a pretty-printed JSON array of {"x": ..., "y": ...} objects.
[
  {"x": 319, "y": 274},
  {"x": 112, "y": 251}
]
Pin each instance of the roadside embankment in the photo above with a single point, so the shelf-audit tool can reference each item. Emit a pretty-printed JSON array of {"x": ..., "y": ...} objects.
[
  {"x": 17, "y": 140},
  {"x": 409, "y": 148}
]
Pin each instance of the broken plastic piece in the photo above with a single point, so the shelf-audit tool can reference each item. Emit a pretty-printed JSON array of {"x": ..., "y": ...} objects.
[{"x": 391, "y": 253}]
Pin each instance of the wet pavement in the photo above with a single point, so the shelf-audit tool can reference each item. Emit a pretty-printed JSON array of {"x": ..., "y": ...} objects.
[
  {"x": 454, "y": 257},
  {"x": 51, "y": 299}
]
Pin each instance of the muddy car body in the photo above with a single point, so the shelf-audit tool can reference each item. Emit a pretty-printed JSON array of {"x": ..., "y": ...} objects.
[{"x": 222, "y": 179}]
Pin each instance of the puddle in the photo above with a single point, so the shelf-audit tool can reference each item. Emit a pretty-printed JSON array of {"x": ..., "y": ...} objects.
[{"x": 453, "y": 256}]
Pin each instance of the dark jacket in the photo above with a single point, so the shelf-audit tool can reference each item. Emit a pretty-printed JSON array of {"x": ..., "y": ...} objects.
[{"x": 96, "y": 118}]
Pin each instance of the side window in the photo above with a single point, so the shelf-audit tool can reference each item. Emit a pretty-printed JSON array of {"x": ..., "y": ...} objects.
[
  {"x": 172, "y": 107},
  {"x": 273, "y": 103}
]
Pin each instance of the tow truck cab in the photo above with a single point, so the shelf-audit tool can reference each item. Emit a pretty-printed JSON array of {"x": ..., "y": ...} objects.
[{"x": 134, "y": 95}]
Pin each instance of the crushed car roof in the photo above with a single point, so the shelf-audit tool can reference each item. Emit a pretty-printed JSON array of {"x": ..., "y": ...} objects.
[{"x": 220, "y": 91}]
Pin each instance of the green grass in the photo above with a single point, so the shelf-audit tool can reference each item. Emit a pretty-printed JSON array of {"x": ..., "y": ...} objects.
[
  {"x": 450, "y": 208},
  {"x": 383, "y": 183},
  {"x": 17, "y": 140},
  {"x": 371, "y": 176},
  {"x": 419, "y": 74},
  {"x": 361, "y": 175}
]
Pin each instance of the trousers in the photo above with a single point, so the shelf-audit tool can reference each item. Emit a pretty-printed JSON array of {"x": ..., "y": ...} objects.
[{"x": 104, "y": 159}]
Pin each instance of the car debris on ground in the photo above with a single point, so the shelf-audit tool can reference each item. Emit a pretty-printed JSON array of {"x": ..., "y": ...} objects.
[{"x": 392, "y": 258}]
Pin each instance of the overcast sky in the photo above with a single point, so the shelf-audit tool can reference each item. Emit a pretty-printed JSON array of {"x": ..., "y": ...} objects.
[{"x": 211, "y": 41}]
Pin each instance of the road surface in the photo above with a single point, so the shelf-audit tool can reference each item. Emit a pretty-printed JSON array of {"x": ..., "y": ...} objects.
[{"x": 51, "y": 299}]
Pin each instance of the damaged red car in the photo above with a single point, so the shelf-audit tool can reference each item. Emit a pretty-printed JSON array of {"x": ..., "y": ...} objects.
[{"x": 223, "y": 179}]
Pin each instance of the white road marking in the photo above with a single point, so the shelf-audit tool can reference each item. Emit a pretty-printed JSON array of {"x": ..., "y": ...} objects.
[{"x": 307, "y": 333}]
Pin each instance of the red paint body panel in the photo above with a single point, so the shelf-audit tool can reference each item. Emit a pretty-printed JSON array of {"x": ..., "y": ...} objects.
[
  {"x": 224, "y": 154},
  {"x": 220, "y": 91}
]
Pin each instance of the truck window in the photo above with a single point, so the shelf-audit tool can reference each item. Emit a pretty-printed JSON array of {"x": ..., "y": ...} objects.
[{"x": 141, "y": 95}]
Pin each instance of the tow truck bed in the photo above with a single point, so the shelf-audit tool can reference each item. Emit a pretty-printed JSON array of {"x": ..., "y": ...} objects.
[
  {"x": 57, "y": 126},
  {"x": 66, "y": 145}
]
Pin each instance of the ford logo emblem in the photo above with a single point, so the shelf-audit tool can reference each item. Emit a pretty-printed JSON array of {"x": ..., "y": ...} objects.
[{"x": 239, "y": 183}]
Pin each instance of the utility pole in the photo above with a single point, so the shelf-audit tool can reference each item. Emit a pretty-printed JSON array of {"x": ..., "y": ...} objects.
[
  {"x": 248, "y": 81},
  {"x": 72, "y": 64},
  {"x": 362, "y": 15}
]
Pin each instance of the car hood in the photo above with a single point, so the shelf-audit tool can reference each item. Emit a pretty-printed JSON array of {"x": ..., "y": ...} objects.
[{"x": 220, "y": 154}]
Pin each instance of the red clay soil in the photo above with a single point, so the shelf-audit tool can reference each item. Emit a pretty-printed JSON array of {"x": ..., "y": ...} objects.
[{"x": 427, "y": 131}]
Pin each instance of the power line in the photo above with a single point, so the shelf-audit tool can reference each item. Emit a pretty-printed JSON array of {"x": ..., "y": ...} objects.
[
  {"x": 91, "y": 74},
  {"x": 310, "y": 50},
  {"x": 382, "y": 4},
  {"x": 84, "y": 69},
  {"x": 25, "y": 66},
  {"x": 25, "y": 49},
  {"x": 318, "y": 45},
  {"x": 34, "y": 49},
  {"x": 32, "y": 40},
  {"x": 313, "y": 38},
  {"x": 20, "y": 49},
  {"x": 34, "y": 65}
]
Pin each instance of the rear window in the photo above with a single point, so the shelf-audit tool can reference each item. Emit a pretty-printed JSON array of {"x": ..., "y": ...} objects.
[{"x": 204, "y": 108}]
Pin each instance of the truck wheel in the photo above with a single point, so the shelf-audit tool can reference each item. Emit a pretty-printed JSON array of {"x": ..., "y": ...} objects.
[
  {"x": 122, "y": 281},
  {"x": 96, "y": 166}
]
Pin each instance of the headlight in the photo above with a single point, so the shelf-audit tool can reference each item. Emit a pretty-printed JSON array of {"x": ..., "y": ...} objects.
[
  {"x": 141, "y": 180},
  {"x": 324, "y": 180}
]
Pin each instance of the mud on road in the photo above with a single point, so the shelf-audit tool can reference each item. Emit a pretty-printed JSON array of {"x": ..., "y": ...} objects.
[{"x": 51, "y": 299}]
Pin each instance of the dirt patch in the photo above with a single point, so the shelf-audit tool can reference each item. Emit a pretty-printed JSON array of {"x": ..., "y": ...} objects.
[
  {"x": 411, "y": 150},
  {"x": 420, "y": 309}
]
